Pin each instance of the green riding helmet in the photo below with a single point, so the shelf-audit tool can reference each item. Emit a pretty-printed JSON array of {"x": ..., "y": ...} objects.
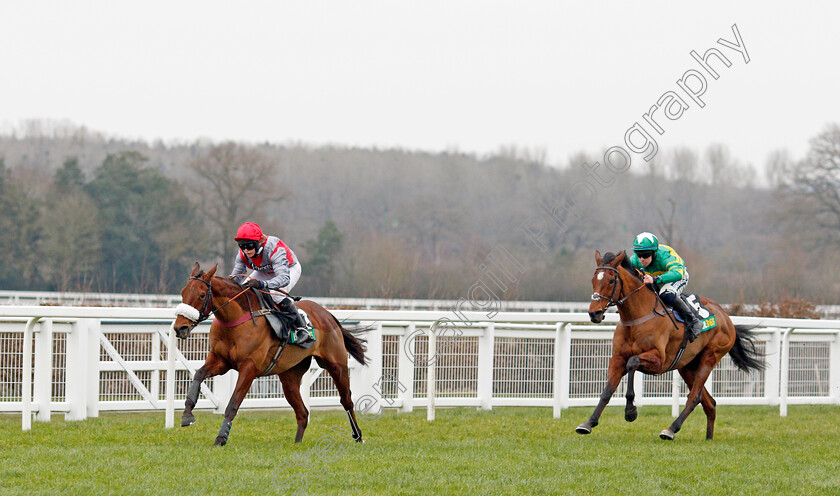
[{"x": 645, "y": 242}]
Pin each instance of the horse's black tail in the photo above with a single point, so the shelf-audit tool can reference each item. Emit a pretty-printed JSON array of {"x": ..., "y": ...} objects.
[
  {"x": 743, "y": 353},
  {"x": 353, "y": 341}
]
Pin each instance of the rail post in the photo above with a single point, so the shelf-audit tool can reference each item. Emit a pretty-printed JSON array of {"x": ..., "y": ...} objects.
[
  {"x": 170, "y": 378},
  {"x": 407, "y": 356},
  {"x": 26, "y": 376},
  {"x": 834, "y": 369},
  {"x": 43, "y": 370},
  {"x": 78, "y": 363},
  {"x": 486, "y": 345},
  {"x": 430, "y": 388},
  {"x": 785, "y": 372},
  {"x": 772, "y": 373},
  {"x": 675, "y": 393},
  {"x": 562, "y": 364}
]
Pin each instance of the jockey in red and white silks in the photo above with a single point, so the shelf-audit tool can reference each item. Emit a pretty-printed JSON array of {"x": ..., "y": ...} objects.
[
  {"x": 271, "y": 262},
  {"x": 270, "y": 265}
]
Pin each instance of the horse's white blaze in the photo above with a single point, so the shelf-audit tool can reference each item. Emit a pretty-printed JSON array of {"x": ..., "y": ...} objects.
[
  {"x": 600, "y": 276},
  {"x": 187, "y": 311}
]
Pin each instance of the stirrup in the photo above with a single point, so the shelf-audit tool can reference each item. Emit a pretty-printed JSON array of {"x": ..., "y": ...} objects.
[{"x": 301, "y": 335}]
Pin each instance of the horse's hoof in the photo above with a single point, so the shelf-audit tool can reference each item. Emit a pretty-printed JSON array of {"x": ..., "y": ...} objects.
[
  {"x": 667, "y": 435},
  {"x": 583, "y": 429},
  {"x": 187, "y": 421},
  {"x": 220, "y": 442},
  {"x": 631, "y": 415}
]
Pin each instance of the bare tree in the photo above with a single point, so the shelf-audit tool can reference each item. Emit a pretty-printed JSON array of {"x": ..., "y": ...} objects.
[
  {"x": 779, "y": 166},
  {"x": 815, "y": 184},
  {"x": 684, "y": 165},
  {"x": 241, "y": 180},
  {"x": 719, "y": 165},
  {"x": 667, "y": 224},
  {"x": 724, "y": 170}
]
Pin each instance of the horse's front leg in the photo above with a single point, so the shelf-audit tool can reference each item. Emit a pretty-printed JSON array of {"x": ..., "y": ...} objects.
[
  {"x": 247, "y": 374},
  {"x": 616, "y": 370},
  {"x": 630, "y": 410},
  {"x": 651, "y": 361},
  {"x": 213, "y": 366}
]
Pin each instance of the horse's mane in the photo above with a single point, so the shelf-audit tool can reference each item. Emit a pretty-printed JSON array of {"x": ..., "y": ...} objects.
[
  {"x": 226, "y": 287},
  {"x": 625, "y": 262}
]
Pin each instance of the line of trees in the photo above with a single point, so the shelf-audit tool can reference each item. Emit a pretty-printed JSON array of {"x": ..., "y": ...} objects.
[
  {"x": 85, "y": 212},
  {"x": 128, "y": 228}
]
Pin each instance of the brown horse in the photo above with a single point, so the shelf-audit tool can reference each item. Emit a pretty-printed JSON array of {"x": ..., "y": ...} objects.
[
  {"x": 652, "y": 342},
  {"x": 241, "y": 342}
]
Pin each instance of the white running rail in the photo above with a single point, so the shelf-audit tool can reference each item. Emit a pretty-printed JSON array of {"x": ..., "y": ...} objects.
[{"x": 83, "y": 360}]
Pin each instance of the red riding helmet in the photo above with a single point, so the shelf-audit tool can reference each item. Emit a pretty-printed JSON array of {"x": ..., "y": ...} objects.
[{"x": 249, "y": 230}]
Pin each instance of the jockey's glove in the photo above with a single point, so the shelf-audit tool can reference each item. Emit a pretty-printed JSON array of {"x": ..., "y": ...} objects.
[{"x": 253, "y": 283}]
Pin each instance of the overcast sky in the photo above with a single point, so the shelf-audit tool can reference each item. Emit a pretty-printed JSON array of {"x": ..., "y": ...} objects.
[{"x": 430, "y": 75}]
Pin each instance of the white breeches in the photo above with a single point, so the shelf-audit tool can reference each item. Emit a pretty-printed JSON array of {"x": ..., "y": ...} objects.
[{"x": 675, "y": 287}]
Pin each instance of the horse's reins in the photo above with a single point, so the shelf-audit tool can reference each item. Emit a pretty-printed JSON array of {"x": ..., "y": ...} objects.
[
  {"x": 203, "y": 316},
  {"x": 296, "y": 298},
  {"x": 612, "y": 302}
]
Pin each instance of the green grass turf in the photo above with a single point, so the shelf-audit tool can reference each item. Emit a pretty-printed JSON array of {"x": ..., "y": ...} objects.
[{"x": 464, "y": 451}]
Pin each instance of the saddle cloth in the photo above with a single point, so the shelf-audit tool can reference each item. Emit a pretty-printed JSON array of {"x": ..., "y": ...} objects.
[
  {"x": 280, "y": 322},
  {"x": 706, "y": 315}
]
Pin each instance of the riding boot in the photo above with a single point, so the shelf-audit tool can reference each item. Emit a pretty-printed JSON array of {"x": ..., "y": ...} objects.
[
  {"x": 299, "y": 334},
  {"x": 693, "y": 323}
]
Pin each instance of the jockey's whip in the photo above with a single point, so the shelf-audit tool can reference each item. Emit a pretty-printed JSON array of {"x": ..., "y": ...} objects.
[{"x": 664, "y": 308}]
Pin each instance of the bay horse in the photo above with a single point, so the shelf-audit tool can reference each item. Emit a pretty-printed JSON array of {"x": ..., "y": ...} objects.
[
  {"x": 247, "y": 344},
  {"x": 651, "y": 342}
]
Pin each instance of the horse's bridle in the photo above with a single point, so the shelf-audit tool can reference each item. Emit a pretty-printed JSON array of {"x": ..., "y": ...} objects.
[
  {"x": 611, "y": 301},
  {"x": 205, "y": 310}
]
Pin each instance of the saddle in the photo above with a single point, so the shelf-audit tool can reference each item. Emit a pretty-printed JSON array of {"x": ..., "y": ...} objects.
[{"x": 281, "y": 322}]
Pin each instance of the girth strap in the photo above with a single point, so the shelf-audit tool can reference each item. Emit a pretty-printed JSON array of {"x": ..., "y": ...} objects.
[
  {"x": 275, "y": 359},
  {"x": 682, "y": 346}
]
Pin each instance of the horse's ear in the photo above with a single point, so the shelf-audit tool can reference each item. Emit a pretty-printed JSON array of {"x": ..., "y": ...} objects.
[
  {"x": 620, "y": 258},
  {"x": 598, "y": 257},
  {"x": 195, "y": 270},
  {"x": 209, "y": 274}
]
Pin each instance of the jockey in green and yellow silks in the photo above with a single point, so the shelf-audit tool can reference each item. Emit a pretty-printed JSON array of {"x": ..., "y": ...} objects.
[{"x": 664, "y": 268}]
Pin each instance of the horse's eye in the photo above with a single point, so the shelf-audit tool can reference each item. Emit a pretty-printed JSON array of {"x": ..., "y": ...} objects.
[{"x": 201, "y": 296}]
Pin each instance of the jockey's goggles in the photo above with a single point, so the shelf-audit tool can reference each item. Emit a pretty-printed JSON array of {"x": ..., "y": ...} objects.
[
  {"x": 644, "y": 254},
  {"x": 248, "y": 245}
]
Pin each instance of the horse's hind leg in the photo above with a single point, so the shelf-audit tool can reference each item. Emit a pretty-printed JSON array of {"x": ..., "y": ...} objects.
[
  {"x": 291, "y": 390},
  {"x": 695, "y": 396},
  {"x": 341, "y": 378},
  {"x": 212, "y": 366},
  {"x": 708, "y": 402},
  {"x": 615, "y": 372}
]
